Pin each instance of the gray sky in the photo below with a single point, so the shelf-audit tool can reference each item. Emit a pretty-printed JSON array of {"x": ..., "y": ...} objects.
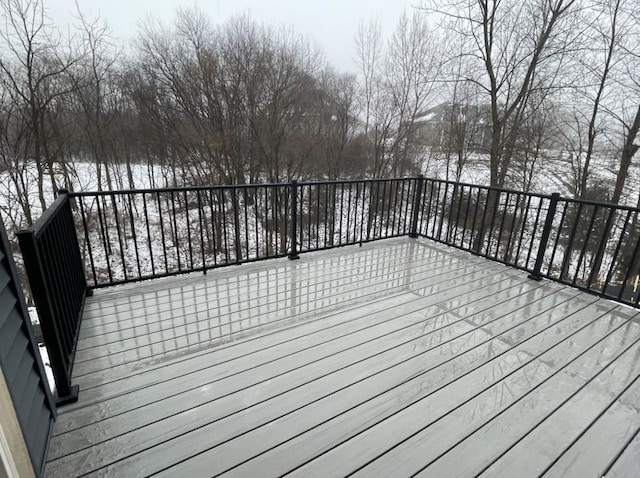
[{"x": 331, "y": 24}]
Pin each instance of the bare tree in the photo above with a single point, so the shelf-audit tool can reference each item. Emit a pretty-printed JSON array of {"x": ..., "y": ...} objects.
[
  {"x": 399, "y": 83},
  {"x": 95, "y": 86},
  {"x": 518, "y": 48},
  {"x": 368, "y": 55},
  {"x": 35, "y": 74}
]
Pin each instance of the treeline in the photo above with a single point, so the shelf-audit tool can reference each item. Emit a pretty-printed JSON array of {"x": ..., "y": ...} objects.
[
  {"x": 239, "y": 102},
  {"x": 526, "y": 82}
]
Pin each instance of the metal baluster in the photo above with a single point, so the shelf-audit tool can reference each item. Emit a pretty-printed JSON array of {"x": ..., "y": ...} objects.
[
  {"x": 601, "y": 246},
  {"x": 634, "y": 256},
  {"x": 246, "y": 220},
  {"x": 522, "y": 229},
  {"x": 133, "y": 235},
  {"x": 294, "y": 220},
  {"x": 513, "y": 226},
  {"x": 435, "y": 211},
  {"x": 186, "y": 216},
  {"x": 341, "y": 212},
  {"x": 146, "y": 220},
  {"x": 585, "y": 243},
  {"x": 533, "y": 232},
  {"x": 568, "y": 250},
  {"x": 504, "y": 217},
  {"x": 87, "y": 240},
  {"x": 364, "y": 196},
  {"x": 256, "y": 222},
  {"x": 493, "y": 218},
  {"x": 213, "y": 228},
  {"x": 236, "y": 225},
  {"x": 164, "y": 242},
  {"x": 223, "y": 214},
  {"x": 201, "y": 229},
  {"x": 466, "y": 219},
  {"x": 268, "y": 240},
  {"x": 444, "y": 207},
  {"x": 617, "y": 251},
  {"x": 119, "y": 232},
  {"x": 176, "y": 241},
  {"x": 104, "y": 241}
]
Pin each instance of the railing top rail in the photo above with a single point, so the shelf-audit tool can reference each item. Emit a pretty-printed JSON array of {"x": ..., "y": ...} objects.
[
  {"x": 48, "y": 215},
  {"x": 228, "y": 186},
  {"x": 175, "y": 190},
  {"x": 602, "y": 204},
  {"x": 490, "y": 188},
  {"x": 351, "y": 181},
  {"x": 50, "y": 211}
]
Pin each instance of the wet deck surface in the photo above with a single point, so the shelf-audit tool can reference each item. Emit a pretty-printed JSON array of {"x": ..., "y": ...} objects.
[{"x": 398, "y": 358}]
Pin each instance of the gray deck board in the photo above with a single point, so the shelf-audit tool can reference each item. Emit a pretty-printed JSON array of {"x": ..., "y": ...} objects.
[
  {"x": 628, "y": 461},
  {"x": 391, "y": 359}
]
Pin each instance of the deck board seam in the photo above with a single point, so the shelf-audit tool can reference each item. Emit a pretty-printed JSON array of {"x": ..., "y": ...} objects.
[
  {"x": 348, "y": 365},
  {"x": 343, "y": 350},
  {"x": 528, "y": 392},
  {"x": 209, "y": 365},
  {"x": 387, "y": 390}
]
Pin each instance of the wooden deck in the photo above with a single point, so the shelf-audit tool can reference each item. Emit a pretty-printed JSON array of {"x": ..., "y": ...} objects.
[{"x": 398, "y": 358}]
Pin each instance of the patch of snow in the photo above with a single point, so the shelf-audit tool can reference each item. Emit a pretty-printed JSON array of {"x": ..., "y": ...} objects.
[
  {"x": 33, "y": 315},
  {"x": 47, "y": 367}
]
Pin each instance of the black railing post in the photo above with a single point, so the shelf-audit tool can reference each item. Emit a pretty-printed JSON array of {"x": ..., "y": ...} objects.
[
  {"x": 294, "y": 220},
  {"x": 416, "y": 206},
  {"x": 34, "y": 266},
  {"x": 546, "y": 232}
]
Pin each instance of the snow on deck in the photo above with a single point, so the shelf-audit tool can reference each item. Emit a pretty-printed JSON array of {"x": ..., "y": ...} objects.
[{"x": 397, "y": 358}]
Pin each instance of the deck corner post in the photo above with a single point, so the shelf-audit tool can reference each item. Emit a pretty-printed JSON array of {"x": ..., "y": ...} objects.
[
  {"x": 417, "y": 198},
  {"x": 546, "y": 232},
  {"x": 293, "y": 233}
]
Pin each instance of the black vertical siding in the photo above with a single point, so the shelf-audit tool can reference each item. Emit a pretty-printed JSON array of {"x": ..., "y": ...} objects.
[{"x": 20, "y": 361}]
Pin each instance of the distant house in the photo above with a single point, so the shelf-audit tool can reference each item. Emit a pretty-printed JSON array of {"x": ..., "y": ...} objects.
[{"x": 450, "y": 126}]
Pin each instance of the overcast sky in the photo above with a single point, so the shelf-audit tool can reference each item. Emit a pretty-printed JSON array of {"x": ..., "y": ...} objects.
[{"x": 331, "y": 24}]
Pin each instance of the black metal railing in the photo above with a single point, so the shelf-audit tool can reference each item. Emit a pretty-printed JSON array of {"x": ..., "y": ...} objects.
[
  {"x": 129, "y": 236},
  {"x": 585, "y": 244},
  {"x": 595, "y": 247},
  {"x": 499, "y": 224},
  {"x": 339, "y": 213},
  {"x": 96, "y": 239},
  {"x": 58, "y": 287}
]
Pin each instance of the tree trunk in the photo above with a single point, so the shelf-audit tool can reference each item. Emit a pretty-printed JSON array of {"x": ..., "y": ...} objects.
[{"x": 628, "y": 152}]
